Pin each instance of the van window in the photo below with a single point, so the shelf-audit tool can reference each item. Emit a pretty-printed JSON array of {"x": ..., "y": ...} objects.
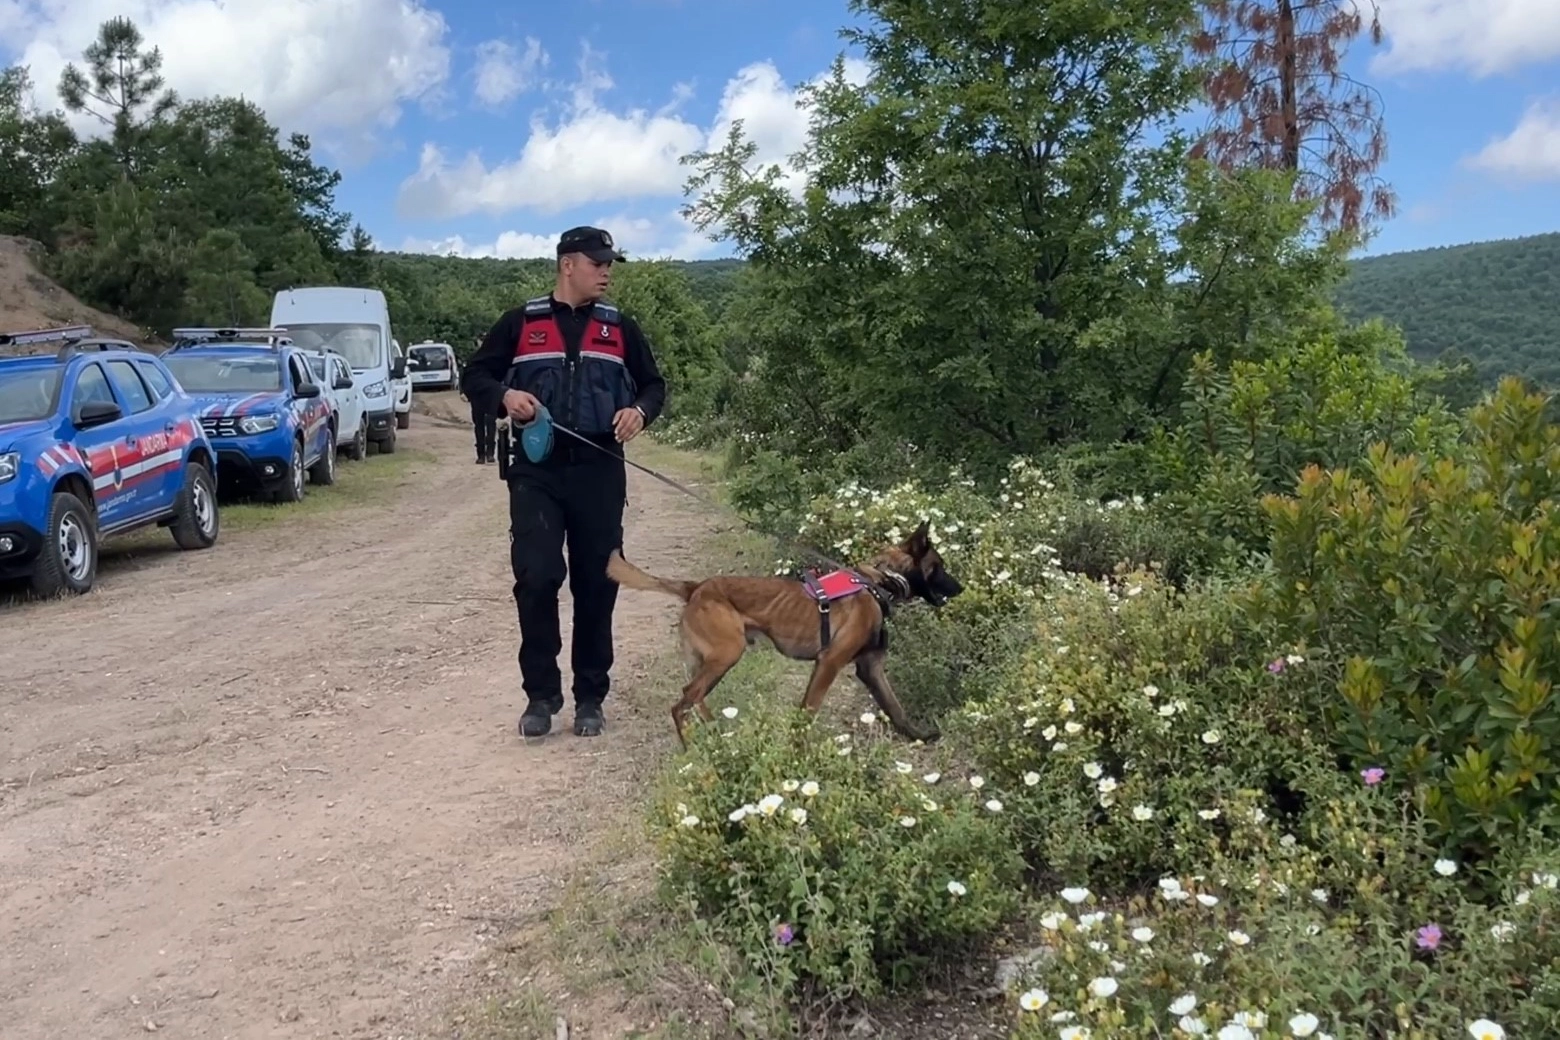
[
  {"x": 360, "y": 343},
  {"x": 425, "y": 358}
]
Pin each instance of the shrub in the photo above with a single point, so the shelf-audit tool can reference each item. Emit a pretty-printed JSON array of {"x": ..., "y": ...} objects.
[
  {"x": 1435, "y": 586},
  {"x": 826, "y": 862},
  {"x": 1144, "y": 730}
]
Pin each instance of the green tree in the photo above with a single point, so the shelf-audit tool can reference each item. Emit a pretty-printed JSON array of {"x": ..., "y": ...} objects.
[
  {"x": 122, "y": 87},
  {"x": 34, "y": 146},
  {"x": 222, "y": 287}
]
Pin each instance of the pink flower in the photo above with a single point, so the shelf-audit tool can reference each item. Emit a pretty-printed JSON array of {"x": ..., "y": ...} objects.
[
  {"x": 1372, "y": 776},
  {"x": 1276, "y": 665},
  {"x": 1429, "y": 937}
]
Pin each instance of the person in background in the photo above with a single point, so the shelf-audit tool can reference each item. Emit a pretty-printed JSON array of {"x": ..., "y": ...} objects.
[
  {"x": 592, "y": 368},
  {"x": 484, "y": 418}
]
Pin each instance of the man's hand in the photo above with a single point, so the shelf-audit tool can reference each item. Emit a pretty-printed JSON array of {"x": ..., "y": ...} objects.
[
  {"x": 520, "y": 405},
  {"x": 627, "y": 423}
]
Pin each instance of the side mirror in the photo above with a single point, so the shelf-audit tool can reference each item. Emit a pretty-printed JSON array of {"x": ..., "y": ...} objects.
[
  {"x": 96, "y": 413},
  {"x": 398, "y": 368},
  {"x": 308, "y": 390},
  {"x": 342, "y": 383}
]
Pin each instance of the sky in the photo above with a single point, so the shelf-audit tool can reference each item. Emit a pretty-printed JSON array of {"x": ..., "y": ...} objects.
[{"x": 486, "y": 130}]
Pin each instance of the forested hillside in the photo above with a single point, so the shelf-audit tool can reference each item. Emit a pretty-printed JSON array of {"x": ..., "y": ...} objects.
[{"x": 1497, "y": 303}]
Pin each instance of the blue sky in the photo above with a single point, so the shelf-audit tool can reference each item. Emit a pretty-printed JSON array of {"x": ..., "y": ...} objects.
[{"x": 482, "y": 130}]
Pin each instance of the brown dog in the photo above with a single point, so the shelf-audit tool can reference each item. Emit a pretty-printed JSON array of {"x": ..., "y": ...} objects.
[{"x": 726, "y": 614}]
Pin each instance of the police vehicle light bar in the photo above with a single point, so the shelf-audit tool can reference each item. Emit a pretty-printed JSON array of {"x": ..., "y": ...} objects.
[
  {"x": 205, "y": 334},
  {"x": 55, "y": 335}
]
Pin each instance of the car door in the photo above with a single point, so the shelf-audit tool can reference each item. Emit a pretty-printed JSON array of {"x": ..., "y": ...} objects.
[
  {"x": 177, "y": 426},
  {"x": 351, "y": 398},
  {"x": 153, "y": 468},
  {"x": 102, "y": 444},
  {"x": 308, "y": 412}
]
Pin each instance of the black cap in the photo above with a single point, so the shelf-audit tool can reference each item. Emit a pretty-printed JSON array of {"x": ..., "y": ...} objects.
[{"x": 593, "y": 242}]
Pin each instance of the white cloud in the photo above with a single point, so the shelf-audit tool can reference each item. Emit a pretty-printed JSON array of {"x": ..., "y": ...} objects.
[
  {"x": 340, "y": 70},
  {"x": 596, "y": 155},
  {"x": 503, "y": 73},
  {"x": 1531, "y": 152},
  {"x": 644, "y": 238},
  {"x": 1482, "y": 37}
]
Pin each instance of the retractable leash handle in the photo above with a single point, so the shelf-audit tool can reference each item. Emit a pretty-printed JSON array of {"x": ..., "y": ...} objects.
[{"x": 536, "y": 436}]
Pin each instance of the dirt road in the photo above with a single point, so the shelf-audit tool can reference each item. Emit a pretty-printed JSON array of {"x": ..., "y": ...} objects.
[{"x": 275, "y": 789}]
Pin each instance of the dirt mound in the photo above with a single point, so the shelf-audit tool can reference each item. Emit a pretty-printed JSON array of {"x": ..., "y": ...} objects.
[{"x": 30, "y": 300}]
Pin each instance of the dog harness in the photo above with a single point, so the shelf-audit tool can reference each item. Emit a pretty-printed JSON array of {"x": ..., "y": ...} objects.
[{"x": 825, "y": 589}]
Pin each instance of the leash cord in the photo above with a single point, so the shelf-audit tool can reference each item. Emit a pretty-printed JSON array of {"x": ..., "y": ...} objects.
[{"x": 691, "y": 493}]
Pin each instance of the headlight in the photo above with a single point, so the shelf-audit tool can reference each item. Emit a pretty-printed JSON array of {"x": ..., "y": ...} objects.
[
  {"x": 259, "y": 423},
  {"x": 10, "y": 466},
  {"x": 376, "y": 389}
]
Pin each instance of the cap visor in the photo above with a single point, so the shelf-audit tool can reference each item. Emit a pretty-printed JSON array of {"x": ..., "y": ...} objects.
[{"x": 605, "y": 256}]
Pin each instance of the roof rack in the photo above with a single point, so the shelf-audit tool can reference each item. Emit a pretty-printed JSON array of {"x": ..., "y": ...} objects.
[{"x": 198, "y": 335}]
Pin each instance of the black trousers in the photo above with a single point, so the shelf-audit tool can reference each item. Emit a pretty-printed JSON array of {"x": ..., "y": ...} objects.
[
  {"x": 485, "y": 419},
  {"x": 574, "y": 501}
]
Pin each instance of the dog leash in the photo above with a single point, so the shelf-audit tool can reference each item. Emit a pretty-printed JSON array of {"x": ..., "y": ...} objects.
[{"x": 539, "y": 431}]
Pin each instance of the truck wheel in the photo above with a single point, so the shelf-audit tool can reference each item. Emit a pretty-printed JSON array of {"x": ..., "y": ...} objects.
[
  {"x": 387, "y": 446},
  {"x": 403, "y": 420},
  {"x": 68, "y": 561},
  {"x": 195, "y": 517},
  {"x": 323, "y": 472},
  {"x": 293, "y": 489},
  {"x": 358, "y": 449}
]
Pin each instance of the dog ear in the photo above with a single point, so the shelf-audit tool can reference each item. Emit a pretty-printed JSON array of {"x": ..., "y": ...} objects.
[{"x": 920, "y": 541}]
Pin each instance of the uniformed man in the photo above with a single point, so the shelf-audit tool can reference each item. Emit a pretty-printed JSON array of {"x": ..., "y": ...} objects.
[
  {"x": 592, "y": 368},
  {"x": 484, "y": 421}
]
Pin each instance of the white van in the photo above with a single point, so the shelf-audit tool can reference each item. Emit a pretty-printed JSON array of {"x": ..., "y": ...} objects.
[
  {"x": 354, "y": 323},
  {"x": 433, "y": 366}
]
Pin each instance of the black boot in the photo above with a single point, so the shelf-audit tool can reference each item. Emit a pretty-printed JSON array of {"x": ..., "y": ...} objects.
[
  {"x": 536, "y": 721},
  {"x": 589, "y": 720}
]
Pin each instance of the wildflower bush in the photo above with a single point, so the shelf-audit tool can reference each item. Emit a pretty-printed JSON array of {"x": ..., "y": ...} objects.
[
  {"x": 834, "y": 865},
  {"x": 1434, "y": 584}
]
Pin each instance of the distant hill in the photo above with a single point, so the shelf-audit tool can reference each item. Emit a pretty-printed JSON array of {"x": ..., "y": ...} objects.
[{"x": 1496, "y": 302}]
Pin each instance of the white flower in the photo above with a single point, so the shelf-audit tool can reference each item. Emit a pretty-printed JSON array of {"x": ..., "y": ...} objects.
[
  {"x": 1545, "y": 880},
  {"x": 1183, "y": 1004},
  {"x": 1169, "y": 884},
  {"x": 1049, "y": 733},
  {"x": 904, "y": 767},
  {"x": 1235, "y": 1031},
  {"x": 790, "y": 785},
  {"x": 729, "y": 711},
  {"x": 1106, "y": 784},
  {"x": 1143, "y": 935},
  {"x": 689, "y": 821},
  {"x": 932, "y": 778},
  {"x": 1103, "y": 987},
  {"x": 1253, "y": 1019},
  {"x": 1067, "y": 702},
  {"x": 1151, "y": 691},
  {"x": 1089, "y": 920},
  {"x": 1167, "y": 710},
  {"x": 1202, "y": 960},
  {"x": 1304, "y": 1024},
  {"x": 1031, "y": 778},
  {"x": 1033, "y": 999},
  {"x": 1071, "y": 728},
  {"x": 1142, "y": 812},
  {"x": 1445, "y": 867},
  {"x": 770, "y": 804},
  {"x": 1484, "y": 1029},
  {"x": 1207, "y": 900},
  {"x": 798, "y": 815},
  {"x": 1192, "y": 1025},
  {"x": 994, "y": 805},
  {"x": 1502, "y": 931},
  {"x": 1093, "y": 770},
  {"x": 1099, "y": 947},
  {"x": 907, "y": 821},
  {"x": 1073, "y": 1033},
  {"x": 928, "y": 804},
  {"x": 1319, "y": 894},
  {"x": 1075, "y": 895},
  {"x": 1208, "y": 814},
  {"x": 1053, "y": 920},
  {"x": 977, "y": 782},
  {"x": 1211, "y": 736},
  {"x": 1239, "y": 938},
  {"x": 810, "y": 789},
  {"x": 956, "y": 888},
  {"x": 868, "y": 719},
  {"x": 738, "y": 814},
  {"x": 1294, "y": 659},
  {"x": 1059, "y": 746}
]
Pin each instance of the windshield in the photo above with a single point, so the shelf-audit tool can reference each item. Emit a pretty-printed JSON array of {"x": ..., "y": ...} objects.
[
  {"x": 27, "y": 393},
  {"x": 226, "y": 375},
  {"x": 430, "y": 357},
  {"x": 362, "y": 345}
]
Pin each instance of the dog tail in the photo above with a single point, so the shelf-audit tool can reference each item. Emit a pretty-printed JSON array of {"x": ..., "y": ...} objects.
[{"x": 629, "y": 576}]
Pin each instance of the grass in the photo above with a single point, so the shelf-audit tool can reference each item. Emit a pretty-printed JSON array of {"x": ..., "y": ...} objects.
[{"x": 367, "y": 483}]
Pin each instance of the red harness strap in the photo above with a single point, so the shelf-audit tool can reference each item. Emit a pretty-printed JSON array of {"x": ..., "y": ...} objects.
[{"x": 829, "y": 587}]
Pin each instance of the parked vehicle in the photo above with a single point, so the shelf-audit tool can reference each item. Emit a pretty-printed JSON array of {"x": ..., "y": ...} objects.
[
  {"x": 401, "y": 387},
  {"x": 332, "y": 372},
  {"x": 270, "y": 421},
  {"x": 96, "y": 439},
  {"x": 433, "y": 366},
  {"x": 354, "y": 323}
]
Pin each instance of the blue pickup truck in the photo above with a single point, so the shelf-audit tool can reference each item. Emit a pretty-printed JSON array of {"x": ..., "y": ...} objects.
[
  {"x": 96, "y": 439},
  {"x": 270, "y": 421}
]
